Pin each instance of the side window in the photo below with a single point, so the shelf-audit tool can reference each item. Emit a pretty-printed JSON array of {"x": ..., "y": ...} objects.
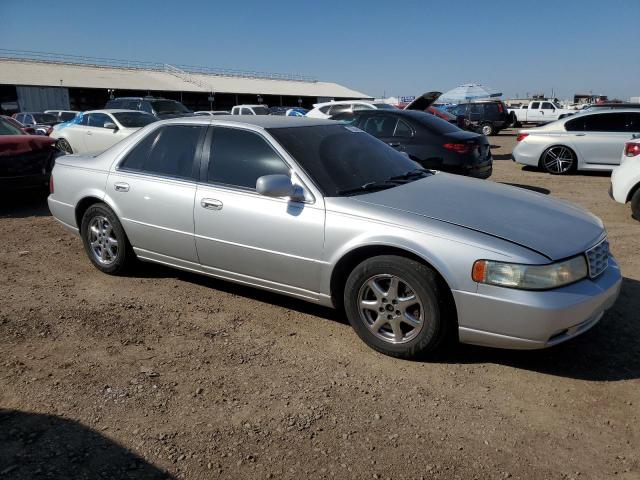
[
  {"x": 633, "y": 122},
  {"x": 239, "y": 157},
  {"x": 491, "y": 110},
  {"x": 534, "y": 105},
  {"x": 245, "y": 111},
  {"x": 403, "y": 130},
  {"x": 547, "y": 106},
  {"x": 339, "y": 109},
  {"x": 144, "y": 106},
  {"x": 85, "y": 120},
  {"x": 325, "y": 109},
  {"x": 476, "y": 109},
  {"x": 98, "y": 119},
  {"x": 169, "y": 151},
  {"x": 360, "y": 106},
  {"x": 371, "y": 125},
  {"x": 605, "y": 122},
  {"x": 575, "y": 125}
]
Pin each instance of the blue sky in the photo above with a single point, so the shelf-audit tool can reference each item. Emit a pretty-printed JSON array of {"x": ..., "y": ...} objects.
[{"x": 400, "y": 47}]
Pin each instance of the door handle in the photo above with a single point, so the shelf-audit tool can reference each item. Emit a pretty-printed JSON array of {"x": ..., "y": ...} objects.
[
  {"x": 211, "y": 204},
  {"x": 89, "y": 133},
  {"x": 580, "y": 134},
  {"x": 394, "y": 144},
  {"x": 121, "y": 187}
]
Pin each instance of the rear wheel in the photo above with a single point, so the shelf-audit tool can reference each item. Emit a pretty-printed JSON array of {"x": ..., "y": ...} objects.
[
  {"x": 63, "y": 145},
  {"x": 104, "y": 240},
  {"x": 635, "y": 205},
  {"x": 487, "y": 129},
  {"x": 394, "y": 305},
  {"x": 558, "y": 160}
]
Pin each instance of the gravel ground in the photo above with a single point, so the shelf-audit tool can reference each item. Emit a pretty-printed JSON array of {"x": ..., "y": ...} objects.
[{"x": 164, "y": 374}]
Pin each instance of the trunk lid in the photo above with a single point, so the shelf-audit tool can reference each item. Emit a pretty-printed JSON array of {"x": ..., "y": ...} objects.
[{"x": 424, "y": 101}]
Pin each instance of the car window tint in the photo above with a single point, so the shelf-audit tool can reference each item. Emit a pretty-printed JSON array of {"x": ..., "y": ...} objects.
[
  {"x": 136, "y": 158},
  {"x": 534, "y": 105},
  {"x": 547, "y": 106},
  {"x": 240, "y": 157},
  {"x": 339, "y": 109},
  {"x": 605, "y": 122},
  {"x": 491, "y": 109},
  {"x": 361, "y": 106},
  {"x": 144, "y": 106},
  {"x": 325, "y": 109},
  {"x": 98, "y": 120},
  {"x": 633, "y": 122},
  {"x": 403, "y": 129}
]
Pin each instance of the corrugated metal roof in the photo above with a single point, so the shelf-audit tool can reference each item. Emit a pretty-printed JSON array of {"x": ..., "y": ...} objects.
[{"x": 50, "y": 74}]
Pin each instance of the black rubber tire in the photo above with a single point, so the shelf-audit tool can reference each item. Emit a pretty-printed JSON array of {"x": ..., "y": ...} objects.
[
  {"x": 424, "y": 281},
  {"x": 125, "y": 257},
  {"x": 571, "y": 170},
  {"x": 64, "y": 146},
  {"x": 635, "y": 205}
]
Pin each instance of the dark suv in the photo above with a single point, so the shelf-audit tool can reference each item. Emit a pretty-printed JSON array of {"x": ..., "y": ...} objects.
[
  {"x": 485, "y": 116},
  {"x": 159, "y": 107}
]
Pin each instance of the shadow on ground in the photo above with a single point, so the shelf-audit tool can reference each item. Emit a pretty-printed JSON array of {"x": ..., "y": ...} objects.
[
  {"x": 533, "y": 188},
  {"x": 46, "y": 446},
  {"x": 24, "y": 203},
  {"x": 501, "y": 156}
]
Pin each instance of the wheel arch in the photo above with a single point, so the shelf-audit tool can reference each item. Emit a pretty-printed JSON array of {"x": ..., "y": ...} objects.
[
  {"x": 83, "y": 205},
  {"x": 345, "y": 265},
  {"x": 632, "y": 192}
]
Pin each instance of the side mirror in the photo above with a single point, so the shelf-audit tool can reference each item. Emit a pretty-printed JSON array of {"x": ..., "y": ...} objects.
[
  {"x": 277, "y": 186},
  {"x": 110, "y": 126}
]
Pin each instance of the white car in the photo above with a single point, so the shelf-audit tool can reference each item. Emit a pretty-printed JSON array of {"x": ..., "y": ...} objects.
[
  {"x": 328, "y": 109},
  {"x": 625, "y": 180},
  {"x": 585, "y": 141},
  {"x": 250, "y": 110},
  {"x": 98, "y": 130},
  {"x": 210, "y": 113}
]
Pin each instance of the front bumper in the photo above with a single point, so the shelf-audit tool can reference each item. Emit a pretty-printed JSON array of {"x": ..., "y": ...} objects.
[{"x": 519, "y": 319}]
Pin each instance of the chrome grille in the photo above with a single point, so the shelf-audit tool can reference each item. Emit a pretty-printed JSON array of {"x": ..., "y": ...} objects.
[{"x": 598, "y": 258}]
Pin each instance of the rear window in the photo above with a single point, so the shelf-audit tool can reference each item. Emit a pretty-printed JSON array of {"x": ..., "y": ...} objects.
[
  {"x": 44, "y": 118},
  {"x": 66, "y": 116},
  {"x": 384, "y": 106},
  {"x": 134, "y": 119}
]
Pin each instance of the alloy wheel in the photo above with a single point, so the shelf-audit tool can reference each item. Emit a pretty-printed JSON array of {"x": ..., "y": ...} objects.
[
  {"x": 102, "y": 240},
  {"x": 558, "y": 160},
  {"x": 64, "y": 146},
  {"x": 487, "y": 130},
  {"x": 390, "y": 308}
]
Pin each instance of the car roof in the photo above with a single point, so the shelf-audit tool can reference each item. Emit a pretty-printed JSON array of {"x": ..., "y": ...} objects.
[
  {"x": 346, "y": 102},
  {"x": 263, "y": 121},
  {"x": 114, "y": 110},
  {"x": 248, "y": 105},
  {"x": 604, "y": 111},
  {"x": 141, "y": 98}
]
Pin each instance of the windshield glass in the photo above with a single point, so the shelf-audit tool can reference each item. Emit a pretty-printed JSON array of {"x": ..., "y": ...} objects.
[
  {"x": 168, "y": 106},
  {"x": 341, "y": 158},
  {"x": 134, "y": 119},
  {"x": 7, "y": 129},
  {"x": 44, "y": 118},
  {"x": 260, "y": 110}
]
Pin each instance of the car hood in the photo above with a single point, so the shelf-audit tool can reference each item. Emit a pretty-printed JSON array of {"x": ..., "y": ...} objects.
[
  {"x": 16, "y": 144},
  {"x": 424, "y": 101},
  {"x": 551, "y": 227}
]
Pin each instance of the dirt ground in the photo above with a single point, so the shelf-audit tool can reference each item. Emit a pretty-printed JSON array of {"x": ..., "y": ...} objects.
[{"x": 164, "y": 374}]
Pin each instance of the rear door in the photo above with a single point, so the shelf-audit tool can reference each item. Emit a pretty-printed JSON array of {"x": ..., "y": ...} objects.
[
  {"x": 600, "y": 137},
  {"x": 153, "y": 189},
  {"x": 534, "y": 114}
]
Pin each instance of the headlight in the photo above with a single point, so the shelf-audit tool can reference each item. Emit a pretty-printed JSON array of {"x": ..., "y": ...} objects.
[{"x": 530, "y": 277}]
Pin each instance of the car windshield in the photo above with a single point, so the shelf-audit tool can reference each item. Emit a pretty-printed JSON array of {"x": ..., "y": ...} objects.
[
  {"x": 66, "y": 116},
  {"x": 384, "y": 106},
  {"x": 7, "y": 129},
  {"x": 134, "y": 119},
  {"x": 169, "y": 106},
  {"x": 44, "y": 118},
  {"x": 261, "y": 110},
  {"x": 342, "y": 158}
]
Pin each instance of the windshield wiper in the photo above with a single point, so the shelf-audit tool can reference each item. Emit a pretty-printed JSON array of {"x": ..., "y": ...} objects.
[
  {"x": 418, "y": 172},
  {"x": 367, "y": 187}
]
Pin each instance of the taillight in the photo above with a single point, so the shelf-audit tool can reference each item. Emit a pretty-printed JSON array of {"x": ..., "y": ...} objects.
[
  {"x": 500, "y": 109},
  {"x": 459, "y": 147},
  {"x": 632, "y": 149},
  {"x": 51, "y": 185},
  {"x": 521, "y": 137}
]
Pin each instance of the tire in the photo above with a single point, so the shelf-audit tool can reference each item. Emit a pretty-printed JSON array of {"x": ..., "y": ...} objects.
[
  {"x": 635, "y": 205},
  {"x": 417, "y": 325},
  {"x": 105, "y": 241},
  {"x": 559, "y": 160},
  {"x": 64, "y": 145},
  {"x": 487, "y": 129}
]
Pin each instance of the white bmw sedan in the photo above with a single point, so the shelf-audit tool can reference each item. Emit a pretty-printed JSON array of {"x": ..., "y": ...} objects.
[
  {"x": 98, "y": 130},
  {"x": 586, "y": 141}
]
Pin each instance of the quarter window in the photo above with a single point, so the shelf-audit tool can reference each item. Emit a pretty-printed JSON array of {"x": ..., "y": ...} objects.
[
  {"x": 168, "y": 151},
  {"x": 403, "y": 130},
  {"x": 239, "y": 157}
]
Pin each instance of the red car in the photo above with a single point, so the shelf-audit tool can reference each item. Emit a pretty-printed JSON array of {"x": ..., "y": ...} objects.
[
  {"x": 26, "y": 160},
  {"x": 17, "y": 124}
]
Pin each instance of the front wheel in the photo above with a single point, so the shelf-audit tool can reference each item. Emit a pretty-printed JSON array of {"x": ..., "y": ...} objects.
[
  {"x": 394, "y": 305},
  {"x": 64, "y": 145},
  {"x": 558, "y": 160},
  {"x": 487, "y": 129},
  {"x": 105, "y": 241}
]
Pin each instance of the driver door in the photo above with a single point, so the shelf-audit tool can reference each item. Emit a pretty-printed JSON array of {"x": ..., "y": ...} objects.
[
  {"x": 241, "y": 235},
  {"x": 97, "y": 138}
]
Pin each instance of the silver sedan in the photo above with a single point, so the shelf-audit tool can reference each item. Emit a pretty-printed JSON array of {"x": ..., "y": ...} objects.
[{"x": 322, "y": 211}]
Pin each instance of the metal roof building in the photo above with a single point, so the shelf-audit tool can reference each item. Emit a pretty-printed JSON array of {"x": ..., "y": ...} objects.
[{"x": 37, "y": 81}]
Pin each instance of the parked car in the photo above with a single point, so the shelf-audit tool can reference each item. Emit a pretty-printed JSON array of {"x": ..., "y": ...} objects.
[
  {"x": 18, "y": 125},
  {"x": 609, "y": 106},
  {"x": 25, "y": 160},
  {"x": 328, "y": 109},
  {"x": 584, "y": 141},
  {"x": 100, "y": 129},
  {"x": 625, "y": 179},
  {"x": 63, "y": 115},
  {"x": 288, "y": 111},
  {"x": 339, "y": 218},
  {"x": 488, "y": 117},
  {"x": 42, "y": 123},
  {"x": 428, "y": 140},
  {"x": 161, "y": 108},
  {"x": 250, "y": 110},
  {"x": 540, "y": 112},
  {"x": 210, "y": 113}
]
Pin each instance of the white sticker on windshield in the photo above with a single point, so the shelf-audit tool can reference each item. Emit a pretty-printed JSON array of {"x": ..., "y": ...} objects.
[{"x": 353, "y": 129}]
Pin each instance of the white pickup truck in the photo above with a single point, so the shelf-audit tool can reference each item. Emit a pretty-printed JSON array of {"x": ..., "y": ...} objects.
[{"x": 540, "y": 111}]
